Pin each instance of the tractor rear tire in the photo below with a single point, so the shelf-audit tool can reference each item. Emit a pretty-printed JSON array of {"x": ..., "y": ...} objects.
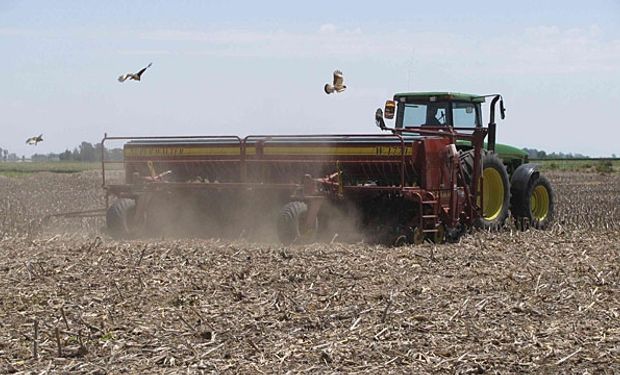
[
  {"x": 538, "y": 208},
  {"x": 495, "y": 189},
  {"x": 118, "y": 217},
  {"x": 290, "y": 225}
]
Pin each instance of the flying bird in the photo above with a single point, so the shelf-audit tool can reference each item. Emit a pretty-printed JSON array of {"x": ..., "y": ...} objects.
[
  {"x": 34, "y": 140},
  {"x": 338, "y": 85},
  {"x": 134, "y": 76}
]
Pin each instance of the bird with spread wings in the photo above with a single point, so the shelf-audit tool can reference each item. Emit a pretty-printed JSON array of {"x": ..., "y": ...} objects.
[
  {"x": 338, "y": 83},
  {"x": 134, "y": 76},
  {"x": 34, "y": 140}
]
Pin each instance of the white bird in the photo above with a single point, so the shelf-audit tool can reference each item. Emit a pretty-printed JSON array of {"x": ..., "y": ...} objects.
[
  {"x": 134, "y": 76},
  {"x": 34, "y": 140},
  {"x": 338, "y": 85}
]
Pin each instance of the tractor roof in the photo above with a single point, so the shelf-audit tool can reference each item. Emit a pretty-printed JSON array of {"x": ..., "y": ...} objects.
[{"x": 440, "y": 95}]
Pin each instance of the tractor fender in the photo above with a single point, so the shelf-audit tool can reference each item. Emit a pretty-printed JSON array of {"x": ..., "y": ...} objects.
[{"x": 519, "y": 183}]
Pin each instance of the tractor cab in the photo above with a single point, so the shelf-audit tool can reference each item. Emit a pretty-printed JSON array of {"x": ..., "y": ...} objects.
[
  {"x": 441, "y": 109},
  {"x": 451, "y": 109},
  {"x": 437, "y": 109}
]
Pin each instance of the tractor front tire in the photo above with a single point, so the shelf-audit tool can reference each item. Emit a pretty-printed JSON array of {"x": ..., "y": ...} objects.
[
  {"x": 118, "y": 217},
  {"x": 290, "y": 225}
]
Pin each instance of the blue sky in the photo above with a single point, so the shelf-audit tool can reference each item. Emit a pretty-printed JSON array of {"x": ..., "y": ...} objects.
[{"x": 259, "y": 67}]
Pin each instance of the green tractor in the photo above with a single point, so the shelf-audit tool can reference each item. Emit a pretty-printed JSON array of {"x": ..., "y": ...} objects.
[{"x": 510, "y": 184}]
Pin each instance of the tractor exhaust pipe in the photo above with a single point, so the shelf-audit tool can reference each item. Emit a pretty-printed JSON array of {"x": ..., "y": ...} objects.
[{"x": 492, "y": 125}]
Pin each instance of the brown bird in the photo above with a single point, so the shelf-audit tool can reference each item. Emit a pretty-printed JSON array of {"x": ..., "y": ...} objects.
[
  {"x": 134, "y": 76},
  {"x": 34, "y": 140},
  {"x": 338, "y": 85}
]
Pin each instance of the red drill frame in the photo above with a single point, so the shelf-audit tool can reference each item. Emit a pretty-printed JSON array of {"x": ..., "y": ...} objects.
[{"x": 417, "y": 165}]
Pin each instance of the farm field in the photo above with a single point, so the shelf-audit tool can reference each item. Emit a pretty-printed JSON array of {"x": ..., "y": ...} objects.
[
  {"x": 508, "y": 302},
  {"x": 580, "y": 165},
  {"x": 19, "y": 169}
]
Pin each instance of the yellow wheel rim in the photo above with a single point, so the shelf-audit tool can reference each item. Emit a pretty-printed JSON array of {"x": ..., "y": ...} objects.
[
  {"x": 492, "y": 194},
  {"x": 539, "y": 203}
]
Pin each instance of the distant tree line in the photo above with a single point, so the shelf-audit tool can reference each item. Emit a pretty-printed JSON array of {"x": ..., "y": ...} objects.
[
  {"x": 5, "y": 155},
  {"x": 540, "y": 154},
  {"x": 86, "y": 152}
]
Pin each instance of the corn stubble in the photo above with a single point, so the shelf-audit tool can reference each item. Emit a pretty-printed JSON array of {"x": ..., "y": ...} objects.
[{"x": 525, "y": 302}]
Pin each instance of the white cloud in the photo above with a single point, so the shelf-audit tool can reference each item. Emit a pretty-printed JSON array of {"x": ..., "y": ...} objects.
[
  {"x": 16, "y": 32},
  {"x": 545, "y": 49},
  {"x": 329, "y": 41},
  {"x": 552, "y": 50},
  {"x": 140, "y": 52},
  {"x": 233, "y": 36},
  {"x": 539, "y": 50},
  {"x": 327, "y": 28}
]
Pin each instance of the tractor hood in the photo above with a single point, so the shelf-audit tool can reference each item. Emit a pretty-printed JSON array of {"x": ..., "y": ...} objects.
[
  {"x": 509, "y": 151},
  {"x": 506, "y": 152}
]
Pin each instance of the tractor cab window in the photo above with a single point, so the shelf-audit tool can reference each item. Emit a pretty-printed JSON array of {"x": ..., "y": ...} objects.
[
  {"x": 425, "y": 114},
  {"x": 464, "y": 115}
]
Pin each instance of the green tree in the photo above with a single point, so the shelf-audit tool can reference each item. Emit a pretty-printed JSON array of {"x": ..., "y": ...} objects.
[
  {"x": 87, "y": 152},
  {"x": 65, "y": 156}
]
